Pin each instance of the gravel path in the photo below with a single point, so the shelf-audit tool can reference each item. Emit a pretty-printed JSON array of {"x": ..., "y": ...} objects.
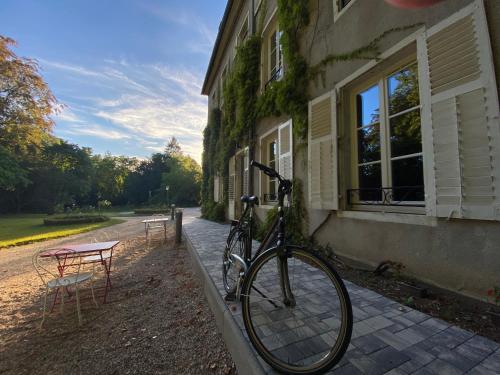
[{"x": 157, "y": 319}]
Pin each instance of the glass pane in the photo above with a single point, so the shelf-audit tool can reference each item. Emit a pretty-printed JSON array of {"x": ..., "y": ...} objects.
[
  {"x": 272, "y": 150},
  {"x": 369, "y": 144},
  {"x": 370, "y": 182},
  {"x": 343, "y": 3},
  {"x": 368, "y": 106},
  {"x": 406, "y": 137},
  {"x": 273, "y": 55},
  {"x": 408, "y": 179},
  {"x": 272, "y": 188},
  {"x": 403, "y": 90}
]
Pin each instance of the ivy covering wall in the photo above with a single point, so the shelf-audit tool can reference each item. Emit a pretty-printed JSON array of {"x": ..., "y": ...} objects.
[{"x": 233, "y": 127}]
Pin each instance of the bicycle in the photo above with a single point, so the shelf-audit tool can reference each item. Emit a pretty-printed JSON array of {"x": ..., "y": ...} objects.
[{"x": 295, "y": 307}]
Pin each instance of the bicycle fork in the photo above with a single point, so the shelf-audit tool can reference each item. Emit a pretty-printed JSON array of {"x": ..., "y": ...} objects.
[{"x": 288, "y": 298}]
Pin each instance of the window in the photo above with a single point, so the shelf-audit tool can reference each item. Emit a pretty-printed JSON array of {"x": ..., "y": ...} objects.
[
  {"x": 276, "y": 151},
  {"x": 343, "y": 3},
  {"x": 268, "y": 156},
  {"x": 273, "y": 183},
  {"x": 340, "y": 7},
  {"x": 389, "y": 164},
  {"x": 243, "y": 34},
  {"x": 222, "y": 81},
  {"x": 275, "y": 56}
]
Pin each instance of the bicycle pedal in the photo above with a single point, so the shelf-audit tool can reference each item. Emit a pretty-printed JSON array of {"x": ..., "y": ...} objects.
[{"x": 230, "y": 297}]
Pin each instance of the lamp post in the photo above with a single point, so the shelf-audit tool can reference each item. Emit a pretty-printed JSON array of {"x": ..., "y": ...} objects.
[{"x": 167, "y": 188}]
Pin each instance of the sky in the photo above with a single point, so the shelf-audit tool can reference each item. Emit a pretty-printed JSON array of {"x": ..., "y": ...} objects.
[{"x": 128, "y": 73}]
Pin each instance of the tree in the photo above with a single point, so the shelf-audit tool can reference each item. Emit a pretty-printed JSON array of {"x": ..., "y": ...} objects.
[
  {"x": 26, "y": 102},
  {"x": 173, "y": 147},
  {"x": 110, "y": 174},
  {"x": 184, "y": 179},
  {"x": 12, "y": 175}
]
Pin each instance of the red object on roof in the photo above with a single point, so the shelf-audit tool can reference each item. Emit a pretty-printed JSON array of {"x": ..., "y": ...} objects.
[{"x": 412, "y": 4}]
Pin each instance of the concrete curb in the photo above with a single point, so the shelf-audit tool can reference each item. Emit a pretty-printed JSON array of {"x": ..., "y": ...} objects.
[{"x": 244, "y": 358}]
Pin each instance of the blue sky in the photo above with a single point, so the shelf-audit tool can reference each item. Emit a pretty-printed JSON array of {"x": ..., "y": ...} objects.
[{"x": 128, "y": 72}]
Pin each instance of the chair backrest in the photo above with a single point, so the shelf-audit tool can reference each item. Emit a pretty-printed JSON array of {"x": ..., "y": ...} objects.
[{"x": 47, "y": 267}]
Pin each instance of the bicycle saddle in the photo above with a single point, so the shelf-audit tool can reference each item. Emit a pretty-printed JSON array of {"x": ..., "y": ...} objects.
[{"x": 250, "y": 199}]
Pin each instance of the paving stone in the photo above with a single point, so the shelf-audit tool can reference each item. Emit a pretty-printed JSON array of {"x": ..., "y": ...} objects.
[
  {"x": 450, "y": 356},
  {"x": 482, "y": 343},
  {"x": 389, "y": 358},
  {"x": 396, "y": 371},
  {"x": 441, "y": 367},
  {"x": 364, "y": 363},
  {"x": 435, "y": 324},
  {"x": 492, "y": 362},
  {"x": 377, "y": 322},
  {"x": 348, "y": 369},
  {"x": 481, "y": 370},
  {"x": 387, "y": 337},
  {"x": 368, "y": 344},
  {"x": 391, "y": 339},
  {"x": 361, "y": 329},
  {"x": 419, "y": 355}
]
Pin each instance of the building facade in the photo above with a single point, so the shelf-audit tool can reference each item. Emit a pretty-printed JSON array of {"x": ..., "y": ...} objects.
[{"x": 402, "y": 156}]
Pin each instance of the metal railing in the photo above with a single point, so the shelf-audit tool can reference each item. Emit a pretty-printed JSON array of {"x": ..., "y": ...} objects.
[
  {"x": 277, "y": 75},
  {"x": 270, "y": 198},
  {"x": 412, "y": 196}
]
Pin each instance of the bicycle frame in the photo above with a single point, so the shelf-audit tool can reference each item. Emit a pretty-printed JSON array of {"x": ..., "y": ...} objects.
[{"x": 278, "y": 226}]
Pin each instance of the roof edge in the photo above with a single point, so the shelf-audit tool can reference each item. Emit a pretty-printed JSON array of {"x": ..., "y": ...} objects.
[{"x": 222, "y": 26}]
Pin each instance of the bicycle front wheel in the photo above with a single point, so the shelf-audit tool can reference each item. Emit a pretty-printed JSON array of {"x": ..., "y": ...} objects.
[
  {"x": 296, "y": 311},
  {"x": 230, "y": 271}
]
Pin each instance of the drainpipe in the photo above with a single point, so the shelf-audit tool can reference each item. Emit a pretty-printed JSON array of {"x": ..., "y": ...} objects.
[{"x": 251, "y": 135}]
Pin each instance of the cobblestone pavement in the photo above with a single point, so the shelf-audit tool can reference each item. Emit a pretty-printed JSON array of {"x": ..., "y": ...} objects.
[{"x": 388, "y": 338}]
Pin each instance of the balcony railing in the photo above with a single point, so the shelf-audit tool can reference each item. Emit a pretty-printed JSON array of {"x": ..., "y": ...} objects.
[
  {"x": 275, "y": 77},
  {"x": 412, "y": 196},
  {"x": 270, "y": 198}
]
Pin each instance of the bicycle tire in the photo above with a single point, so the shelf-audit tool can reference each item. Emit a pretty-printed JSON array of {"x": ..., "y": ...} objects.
[
  {"x": 310, "y": 336},
  {"x": 235, "y": 244}
]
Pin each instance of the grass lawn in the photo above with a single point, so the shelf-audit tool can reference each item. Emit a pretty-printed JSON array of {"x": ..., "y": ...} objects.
[{"x": 22, "y": 229}]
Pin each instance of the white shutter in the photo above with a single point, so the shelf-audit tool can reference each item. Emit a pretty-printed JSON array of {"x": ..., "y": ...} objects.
[
  {"x": 230, "y": 187},
  {"x": 322, "y": 153},
  {"x": 285, "y": 150},
  {"x": 246, "y": 173},
  {"x": 216, "y": 189},
  {"x": 464, "y": 113}
]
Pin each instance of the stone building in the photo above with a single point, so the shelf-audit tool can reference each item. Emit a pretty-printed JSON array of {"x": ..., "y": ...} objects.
[{"x": 402, "y": 157}]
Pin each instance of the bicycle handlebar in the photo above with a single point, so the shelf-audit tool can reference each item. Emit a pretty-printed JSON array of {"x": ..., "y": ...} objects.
[{"x": 269, "y": 171}]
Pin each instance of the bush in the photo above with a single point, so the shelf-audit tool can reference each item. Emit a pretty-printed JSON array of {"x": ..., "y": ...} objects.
[
  {"x": 213, "y": 211},
  {"x": 151, "y": 211},
  {"x": 74, "y": 219}
]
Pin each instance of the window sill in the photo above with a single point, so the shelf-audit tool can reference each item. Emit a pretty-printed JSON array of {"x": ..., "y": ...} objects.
[{"x": 409, "y": 217}]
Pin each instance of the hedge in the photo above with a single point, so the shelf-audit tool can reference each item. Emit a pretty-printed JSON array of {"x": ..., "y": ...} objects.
[
  {"x": 74, "y": 219},
  {"x": 151, "y": 211}
]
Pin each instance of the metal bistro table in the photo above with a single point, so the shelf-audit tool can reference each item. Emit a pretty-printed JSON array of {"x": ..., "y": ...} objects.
[
  {"x": 159, "y": 222},
  {"x": 85, "y": 250}
]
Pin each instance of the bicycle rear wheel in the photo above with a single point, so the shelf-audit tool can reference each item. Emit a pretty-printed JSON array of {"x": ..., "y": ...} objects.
[
  {"x": 235, "y": 245},
  {"x": 308, "y": 333}
]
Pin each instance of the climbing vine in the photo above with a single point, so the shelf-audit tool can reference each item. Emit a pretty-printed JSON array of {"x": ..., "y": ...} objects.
[
  {"x": 234, "y": 126},
  {"x": 289, "y": 95}
]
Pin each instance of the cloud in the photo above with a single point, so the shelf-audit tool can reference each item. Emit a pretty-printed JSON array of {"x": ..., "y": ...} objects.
[
  {"x": 97, "y": 131},
  {"x": 204, "y": 37},
  {"x": 143, "y": 104}
]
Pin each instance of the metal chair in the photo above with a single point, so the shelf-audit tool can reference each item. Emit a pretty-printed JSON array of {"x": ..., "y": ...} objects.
[
  {"x": 62, "y": 260},
  {"x": 154, "y": 226}
]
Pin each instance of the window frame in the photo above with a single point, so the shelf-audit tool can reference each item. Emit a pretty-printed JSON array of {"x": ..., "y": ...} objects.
[
  {"x": 265, "y": 140},
  {"x": 380, "y": 79},
  {"x": 338, "y": 12},
  {"x": 246, "y": 23},
  {"x": 278, "y": 74}
]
